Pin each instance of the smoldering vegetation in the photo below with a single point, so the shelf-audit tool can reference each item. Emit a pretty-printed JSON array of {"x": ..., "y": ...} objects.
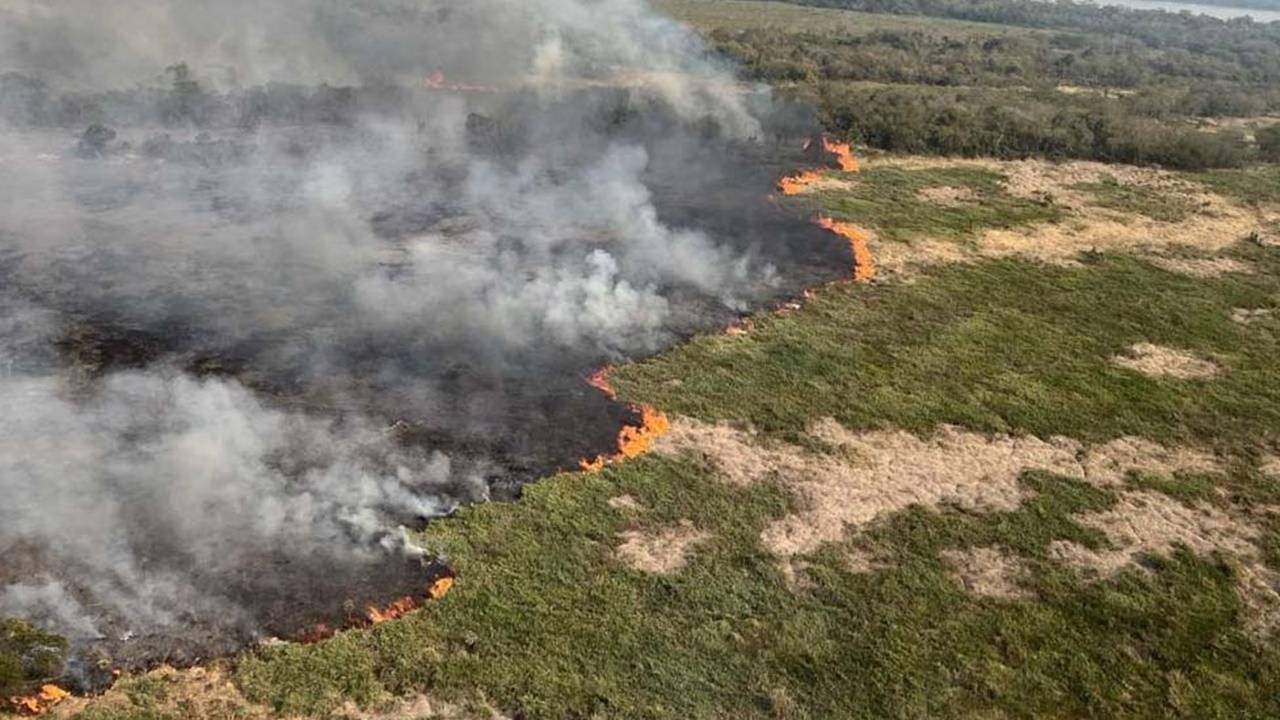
[{"x": 277, "y": 282}]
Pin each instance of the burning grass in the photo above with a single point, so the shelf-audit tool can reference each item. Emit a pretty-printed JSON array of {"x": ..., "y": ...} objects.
[{"x": 633, "y": 440}]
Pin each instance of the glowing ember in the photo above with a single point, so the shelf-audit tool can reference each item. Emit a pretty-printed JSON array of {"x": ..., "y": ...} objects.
[
  {"x": 843, "y": 152},
  {"x": 600, "y": 381},
  {"x": 633, "y": 440},
  {"x": 40, "y": 703},
  {"x": 864, "y": 266},
  {"x": 437, "y": 81},
  {"x": 315, "y": 634}
]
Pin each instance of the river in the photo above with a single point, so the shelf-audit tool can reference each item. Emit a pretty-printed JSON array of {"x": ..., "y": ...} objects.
[{"x": 1218, "y": 11}]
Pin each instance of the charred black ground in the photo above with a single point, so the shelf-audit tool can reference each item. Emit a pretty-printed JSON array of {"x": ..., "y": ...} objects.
[{"x": 503, "y": 413}]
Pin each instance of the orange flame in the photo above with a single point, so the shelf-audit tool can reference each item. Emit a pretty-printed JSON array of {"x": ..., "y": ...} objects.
[
  {"x": 41, "y": 702},
  {"x": 843, "y": 152},
  {"x": 864, "y": 266},
  {"x": 633, "y": 441},
  {"x": 600, "y": 381},
  {"x": 408, "y": 603},
  {"x": 803, "y": 180},
  {"x": 798, "y": 183}
]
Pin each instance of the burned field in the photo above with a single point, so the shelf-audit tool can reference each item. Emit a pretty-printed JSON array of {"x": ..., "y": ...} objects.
[{"x": 250, "y": 335}]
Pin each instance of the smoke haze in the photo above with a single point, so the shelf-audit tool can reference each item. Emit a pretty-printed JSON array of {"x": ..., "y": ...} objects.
[{"x": 278, "y": 279}]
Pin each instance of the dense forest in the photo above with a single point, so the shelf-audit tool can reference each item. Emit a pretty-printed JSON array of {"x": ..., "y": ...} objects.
[{"x": 1062, "y": 80}]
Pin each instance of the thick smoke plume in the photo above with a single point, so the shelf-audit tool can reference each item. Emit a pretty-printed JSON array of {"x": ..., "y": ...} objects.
[{"x": 278, "y": 279}]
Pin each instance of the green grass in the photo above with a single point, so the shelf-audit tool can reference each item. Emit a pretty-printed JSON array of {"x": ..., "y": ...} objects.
[
  {"x": 1005, "y": 346},
  {"x": 1256, "y": 186},
  {"x": 546, "y": 621},
  {"x": 888, "y": 200},
  {"x": 1110, "y": 193}
]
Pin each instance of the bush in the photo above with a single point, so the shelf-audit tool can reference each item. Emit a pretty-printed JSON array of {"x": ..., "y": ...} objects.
[
  {"x": 1269, "y": 143},
  {"x": 28, "y": 657}
]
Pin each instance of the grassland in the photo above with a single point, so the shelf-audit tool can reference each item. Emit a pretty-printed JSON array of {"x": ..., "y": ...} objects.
[
  {"x": 1108, "y": 192},
  {"x": 548, "y": 621},
  {"x": 892, "y": 201},
  {"x": 1256, "y": 186}
]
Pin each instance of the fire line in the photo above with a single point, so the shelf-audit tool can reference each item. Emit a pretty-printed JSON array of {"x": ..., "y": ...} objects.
[
  {"x": 864, "y": 267},
  {"x": 633, "y": 440},
  {"x": 40, "y": 703}
]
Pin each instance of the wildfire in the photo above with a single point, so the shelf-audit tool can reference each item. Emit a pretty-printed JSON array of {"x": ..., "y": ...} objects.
[
  {"x": 798, "y": 183},
  {"x": 633, "y": 441},
  {"x": 600, "y": 381},
  {"x": 803, "y": 180},
  {"x": 864, "y": 266},
  {"x": 408, "y": 603},
  {"x": 41, "y": 702},
  {"x": 843, "y": 152},
  {"x": 378, "y": 615}
]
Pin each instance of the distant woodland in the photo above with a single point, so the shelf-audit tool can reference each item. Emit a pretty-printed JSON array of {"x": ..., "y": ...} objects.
[{"x": 1057, "y": 79}]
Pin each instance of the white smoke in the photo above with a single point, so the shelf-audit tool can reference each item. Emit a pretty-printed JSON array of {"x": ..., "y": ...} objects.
[{"x": 198, "y": 223}]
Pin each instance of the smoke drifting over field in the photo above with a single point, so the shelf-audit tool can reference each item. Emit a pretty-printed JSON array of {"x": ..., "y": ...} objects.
[{"x": 279, "y": 279}]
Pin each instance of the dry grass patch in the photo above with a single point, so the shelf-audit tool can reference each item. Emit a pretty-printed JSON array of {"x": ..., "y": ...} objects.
[
  {"x": 1203, "y": 267},
  {"x": 1160, "y": 361},
  {"x": 1111, "y": 463},
  {"x": 625, "y": 503},
  {"x": 1147, "y": 523},
  {"x": 661, "y": 553},
  {"x": 1214, "y": 222},
  {"x": 198, "y": 693},
  {"x": 875, "y": 474},
  {"x": 948, "y": 195},
  {"x": 1271, "y": 467},
  {"x": 987, "y": 571},
  {"x": 1247, "y": 316}
]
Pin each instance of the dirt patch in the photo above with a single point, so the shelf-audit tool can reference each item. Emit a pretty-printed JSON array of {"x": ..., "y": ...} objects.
[
  {"x": 987, "y": 571},
  {"x": 660, "y": 553},
  {"x": 948, "y": 195},
  {"x": 1214, "y": 224},
  {"x": 1160, "y": 361},
  {"x": 1202, "y": 267},
  {"x": 625, "y": 503},
  {"x": 1247, "y": 316},
  {"x": 874, "y": 474}
]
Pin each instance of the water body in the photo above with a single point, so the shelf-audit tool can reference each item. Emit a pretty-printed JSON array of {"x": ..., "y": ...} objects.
[{"x": 1218, "y": 11}]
